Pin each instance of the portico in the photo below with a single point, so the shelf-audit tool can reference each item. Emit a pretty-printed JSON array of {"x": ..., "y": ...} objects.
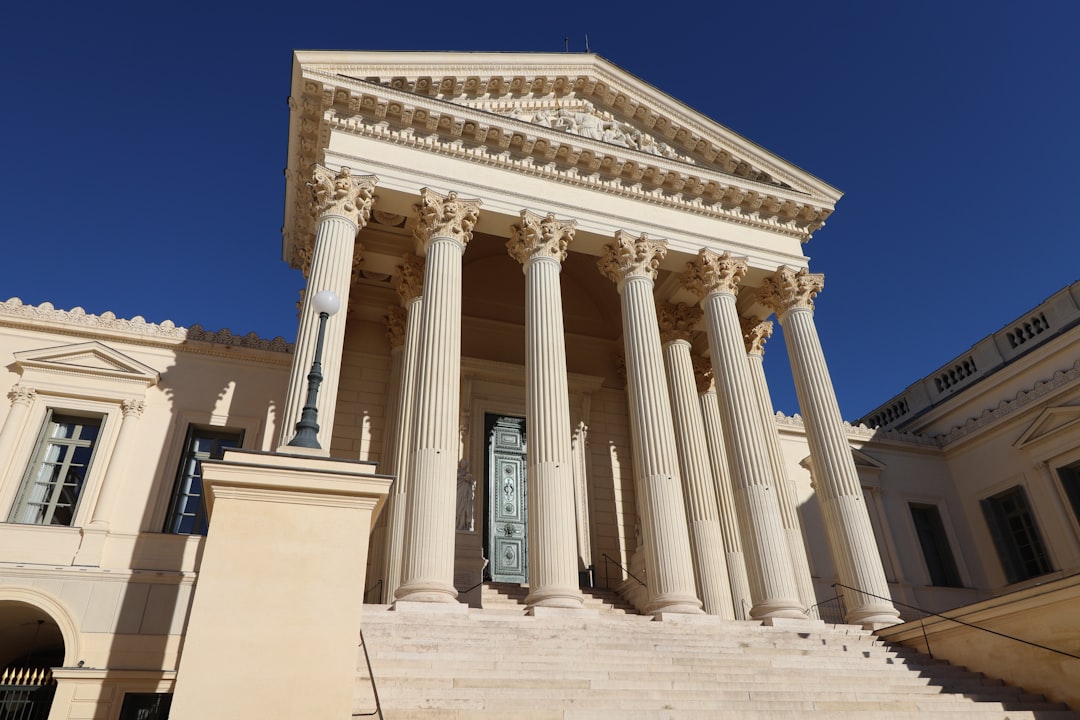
[{"x": 484, "y": 193}]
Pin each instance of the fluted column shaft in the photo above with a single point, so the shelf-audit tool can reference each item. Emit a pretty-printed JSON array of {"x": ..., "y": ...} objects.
[
  {"x": 22, "y": 397},
  {"x": 772, "y": 583},
  {"x": 729, "y": 519},
  {"x": 410, "y": 285},
  {"x": 756, "y": 335},
  {"x": 342, "y": 203},
  {"x": 699, "y": 492},
  {"x": 112, "y": 484},
  {"x": 790, "y": 294},
  {"x": 540, "y": 245},
  {"x": 668, "y": 560},
  {"x": 444, "y": 229}
]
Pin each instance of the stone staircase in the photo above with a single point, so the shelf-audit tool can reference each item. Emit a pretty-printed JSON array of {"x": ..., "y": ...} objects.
[{"x": 609, "y": 662}]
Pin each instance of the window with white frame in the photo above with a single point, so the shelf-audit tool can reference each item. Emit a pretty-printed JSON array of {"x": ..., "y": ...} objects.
[
  {"x": 1070, "y": 483},
  {"x": 55, "y": 478},
  {"x": 187, "y": 511},
  {"x": 1016, "y": 535},
  {"x": 937, "y": 553}
]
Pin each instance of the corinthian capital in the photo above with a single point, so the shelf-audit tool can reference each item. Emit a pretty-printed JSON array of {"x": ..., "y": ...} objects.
[
  {"x": 133, "y": 407},
  {"x": 445, "y": 216},
  {"x": 395, "y": 326},
  {"x": 703, "y": 373},
  {"x": 342, "y": 194},
  {"x": 539, "y": 236},
  {"x": 22, "y": 395},
  {"x": 790, "y": 289},
  {"x": 629, "y": 257},
  {"x": 712, "y": 272},
  {"x": 410, "y": 282},
  {"x": 755, "y": 333},
  {"x": 677, "y": 321}
]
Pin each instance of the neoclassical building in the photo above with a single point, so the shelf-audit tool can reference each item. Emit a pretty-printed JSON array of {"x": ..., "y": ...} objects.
[{"x": 556, "y": 286}]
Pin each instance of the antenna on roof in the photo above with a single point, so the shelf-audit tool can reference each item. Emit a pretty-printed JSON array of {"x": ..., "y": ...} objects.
[
  {"x": 566, "y": 42},
  {"x": 586, "y": 42}
]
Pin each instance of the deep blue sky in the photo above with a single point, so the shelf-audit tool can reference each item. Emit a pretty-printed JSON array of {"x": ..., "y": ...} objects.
[{"x": 145, "y": 148}]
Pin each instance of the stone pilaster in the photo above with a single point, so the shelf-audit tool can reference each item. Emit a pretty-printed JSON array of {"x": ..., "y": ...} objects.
[
  {"x": 341, "y": 203},
  {"x": 699, "y": 492},
  {"x": 715, "y": 279},
  {"x": 21, "y": 397},
  {"x": 443, "y": 229},
  {"x": 756, "y": 333},
  {"x": 729, "y": 518},
  {"x": 410, "y": 284},
  {"x": 539, "y": 244},
  {"x": 113, "y": 483},
  {"x": 631, "y": 264},
  {"x": 790, "y": 294}
]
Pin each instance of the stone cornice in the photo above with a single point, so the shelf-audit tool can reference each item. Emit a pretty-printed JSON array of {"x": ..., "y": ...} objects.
[
  {"x": 861, "y": 432},
  {"x": 14, "y": 312}
]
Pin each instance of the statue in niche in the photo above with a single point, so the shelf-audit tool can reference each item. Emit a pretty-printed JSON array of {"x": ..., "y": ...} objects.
[{"x": 466, "y": 496}]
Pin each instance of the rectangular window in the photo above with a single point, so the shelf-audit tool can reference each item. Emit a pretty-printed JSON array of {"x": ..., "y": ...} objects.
[
  {"x": 1016, "y": 536},
  {"x": 187, "y": 513},
  {"x": 1070, "y": 482},
  {"x": 146, "y": 706},
  {"x": 935, "y": 545},
  {"x": 54, "y": 481}
]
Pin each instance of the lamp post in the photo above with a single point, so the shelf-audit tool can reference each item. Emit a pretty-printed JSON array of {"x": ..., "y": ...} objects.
[{"x": 326, "y": 303}]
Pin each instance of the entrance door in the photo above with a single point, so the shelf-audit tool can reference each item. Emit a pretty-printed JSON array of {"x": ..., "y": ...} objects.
[{"x": 507, "y": 529}]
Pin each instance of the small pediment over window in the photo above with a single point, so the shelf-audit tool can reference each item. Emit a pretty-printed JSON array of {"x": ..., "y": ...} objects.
[
  {"x": 1049, "y": 422},
  {"x": 866, "y": 462},
  {"x": 93, "y": 359}
]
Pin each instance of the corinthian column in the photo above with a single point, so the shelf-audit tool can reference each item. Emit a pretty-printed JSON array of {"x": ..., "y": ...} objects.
[
  {"x": 755, "y": 333},
  {"x": 699, "y": 492},
  {"x": 729, "y": 518},
  {"x": 539, "y": 244},
  {"x": 715, "y": 279},
  {"x": 341, "y": 204},
  {"x": 790, "y": 294},
  {"x": 443, "y": 229},
  {"x": 409, "y": 286},
  {"x": 22, "y": 397},
  {"x": 113, "y": 482},
  {"x": 631, "y": 264}
]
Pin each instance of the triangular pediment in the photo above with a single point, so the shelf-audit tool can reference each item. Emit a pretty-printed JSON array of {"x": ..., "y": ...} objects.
[
  {"x": 1049, "y": 422},
  {"x": 862, "y": 460},
  {"x": 90, "y": 358}
]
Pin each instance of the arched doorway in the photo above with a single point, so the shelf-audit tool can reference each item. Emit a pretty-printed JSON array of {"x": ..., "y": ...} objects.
[{"x": 31, "y": 644}]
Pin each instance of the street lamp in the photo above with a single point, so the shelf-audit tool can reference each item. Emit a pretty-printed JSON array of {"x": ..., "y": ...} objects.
[{"x": 326, "y": 303}]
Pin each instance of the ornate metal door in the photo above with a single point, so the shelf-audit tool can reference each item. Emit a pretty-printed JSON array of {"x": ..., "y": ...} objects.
[{"x": 507, "y": 505}]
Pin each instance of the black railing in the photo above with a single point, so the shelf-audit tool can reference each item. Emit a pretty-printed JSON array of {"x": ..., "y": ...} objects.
[
  {"x": 927, "y": 613},
  {"x": 378, "y": 584},
  {"x": 609, "y": 559},
  {"x": 830, "y": 611},
  {"x": 371, "y": 676}
]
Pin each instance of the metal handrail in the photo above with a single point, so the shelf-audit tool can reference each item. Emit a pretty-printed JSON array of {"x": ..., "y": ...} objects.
[
  {"x": 371, "y": 676},
  {"x": 607, "y": 559},
  {"x": 838, "y": 599},
  {"x": 960, "y": 622},
  {"x": 378, "y": 584}
]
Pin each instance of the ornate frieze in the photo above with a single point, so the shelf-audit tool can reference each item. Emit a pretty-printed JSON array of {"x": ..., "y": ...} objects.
[
  {"x": 712, "y": 272},
  {"x": 395, "y": 326},
  {"x": 133, "y": 407},
  {"x": 410, "y": 279},
  {"x": 678, "y": 320},
  {"x": 756, "y": 333},
  {"x": 445, "y": 216},
  {"x": 539, "y": 236},
  {"x": 343, "y": 194},
  {"x": 789, "y": 289},
  {"x": 22, "y": 395},
  {"x": 628, "y": 257}
]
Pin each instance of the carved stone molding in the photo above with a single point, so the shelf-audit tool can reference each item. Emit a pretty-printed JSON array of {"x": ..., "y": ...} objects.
[
  {"x": 789, "y": 289},
  {"x": 677, "y": 320},
  {"x": 703, "y": 373},
  {"x": 22, "y": 395},
  {"x": 540, "y": 236},
  {"x": 343, "y": 194},
  {"x": 862, "y": 432},
  {"x": 712, "y": 272},
  {"x": 628, "y": 257},
  {"x": 756, "y": 333},
  {"x": 357, "y": 262},
  {"x": 395, "y": 326},
  {"x": 133, "y": 407},
  {"x": 410, "y": 280},
  {"x": 445, "y": 216}
]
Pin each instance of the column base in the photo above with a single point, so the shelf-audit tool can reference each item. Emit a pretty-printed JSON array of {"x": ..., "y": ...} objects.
[
  {"x": 674, "y": 604},
  {"x": 430, "y": 608},
  {"x": 778, "y": 609},
  {"x": 426, "y": 592},
  {"x": 873, "y": 617},
  {"x": 567, "y": 598}
]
